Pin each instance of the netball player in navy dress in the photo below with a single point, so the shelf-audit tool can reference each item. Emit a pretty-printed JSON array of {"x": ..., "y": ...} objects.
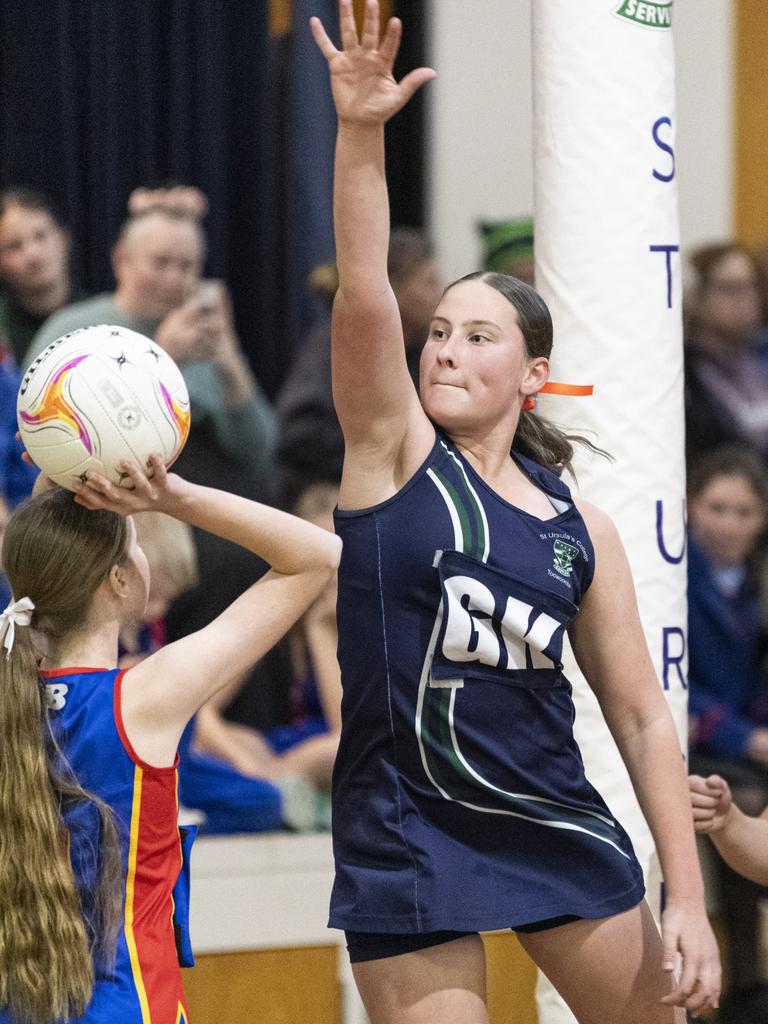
[
  {"x": 92, "y": 914},
  {"x": 460, "y": 802}
]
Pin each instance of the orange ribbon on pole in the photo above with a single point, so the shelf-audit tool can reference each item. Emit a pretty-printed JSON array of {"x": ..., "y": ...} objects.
[
  {"x": 578, "y": 390},
  {"x": 553, "y": 387}
]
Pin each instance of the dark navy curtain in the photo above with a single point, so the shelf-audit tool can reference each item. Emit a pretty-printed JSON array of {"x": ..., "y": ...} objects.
[
  {"x": 308, "y": 135},
  {"x": 407, "y": 133},
  {"x": 100, "y": 96}
]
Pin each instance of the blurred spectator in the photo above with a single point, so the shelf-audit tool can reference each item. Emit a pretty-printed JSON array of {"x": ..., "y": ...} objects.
[
  {"x": 508, "y": 247},
  {"x": 311, "y": 446},
  {"x": 728, "y": 507},
  {"x": 417, "y": 284},
  {"x": 726, "y": 372},
  {"x": 307, "y": 747},
  {"x": 16, "y": 477},
  {"x": 170, "y": 550},
  {"x": 35, "y": 276},
  {"x": 184, "y": 199},
  {"x": 728, "y": 511}
]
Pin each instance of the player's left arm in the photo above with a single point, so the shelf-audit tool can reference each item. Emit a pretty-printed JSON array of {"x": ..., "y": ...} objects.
[{"x": 610, "y": 648}]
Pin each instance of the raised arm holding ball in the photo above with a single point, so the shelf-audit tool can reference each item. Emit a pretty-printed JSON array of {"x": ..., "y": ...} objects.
[{"x": 91, "y": 852}]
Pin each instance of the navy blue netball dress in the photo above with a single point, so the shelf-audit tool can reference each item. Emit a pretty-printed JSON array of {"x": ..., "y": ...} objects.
[{"x": 459, "y": 796}]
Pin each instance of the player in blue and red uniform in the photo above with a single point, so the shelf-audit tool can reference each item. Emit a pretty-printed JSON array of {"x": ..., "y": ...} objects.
[
  {"x": 92, "y": 900},
  {"x": 460, "y": 802}
]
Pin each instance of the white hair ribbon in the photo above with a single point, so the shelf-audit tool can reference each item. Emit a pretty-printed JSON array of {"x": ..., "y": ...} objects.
[{"x": 18, "y": 613}]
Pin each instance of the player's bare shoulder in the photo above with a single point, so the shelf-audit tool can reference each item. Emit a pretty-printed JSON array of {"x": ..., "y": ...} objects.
[{"x": 602, "y": 529}]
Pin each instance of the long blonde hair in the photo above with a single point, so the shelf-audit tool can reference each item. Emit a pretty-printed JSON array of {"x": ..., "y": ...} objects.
[{"x": 56, "y": 553}]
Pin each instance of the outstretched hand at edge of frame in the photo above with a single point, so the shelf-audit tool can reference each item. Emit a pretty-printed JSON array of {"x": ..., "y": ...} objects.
[{"x": 365, "y": 92}]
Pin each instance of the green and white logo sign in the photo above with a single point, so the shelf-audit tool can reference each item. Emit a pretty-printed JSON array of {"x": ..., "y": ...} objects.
[
  {"x": 648, "y": 13},
  {"x": 564, "y": 557}
]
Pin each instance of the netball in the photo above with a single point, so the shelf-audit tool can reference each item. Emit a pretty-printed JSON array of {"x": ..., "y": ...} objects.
[{"x": 98, "y": 396}]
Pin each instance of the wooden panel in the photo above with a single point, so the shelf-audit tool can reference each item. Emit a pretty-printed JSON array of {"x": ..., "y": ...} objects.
[
  {"x": 280, "y": 17},
  {"x": 287, "y": 986},
  {"x": 276, "y": 986},
  {"x": 385, "y": 7},
  {"x": 750, "y": 91},
  {"x": 511, "y": 981}
]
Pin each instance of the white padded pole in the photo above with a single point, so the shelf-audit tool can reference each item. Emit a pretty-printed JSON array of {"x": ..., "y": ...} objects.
[{"x": 606, "y": 231}]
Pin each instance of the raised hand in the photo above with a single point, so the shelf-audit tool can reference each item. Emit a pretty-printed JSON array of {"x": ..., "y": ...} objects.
[
  {"x": 710, "y": 801},
  {"x": 364, "y": 89}
]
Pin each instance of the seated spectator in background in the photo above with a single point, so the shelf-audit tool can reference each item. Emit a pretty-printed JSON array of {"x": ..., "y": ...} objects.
[
  {"x": 185, "y": 199},
  {"x": 727, "y": 511},
  {"x": 417, "y": 284},
  {"x": 169, "y": 547},
  {"x": 35, "y": 278},
  {"x": 508, "y": 248},
  {"x": 158, "y": 261},
  {"x": 307, "y": 747},
  {"x": 310, "y": 443},
  {"x": 726, "y": 373},
  {"x": 16, "y": 477},
  {"x": 728, "y": 696}
]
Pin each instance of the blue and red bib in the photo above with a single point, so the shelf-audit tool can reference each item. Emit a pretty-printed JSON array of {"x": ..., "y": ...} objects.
[{"x": 84, "y": 707}]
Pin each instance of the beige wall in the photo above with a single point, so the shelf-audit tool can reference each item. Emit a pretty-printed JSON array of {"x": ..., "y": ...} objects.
[{"x": 480, "y": 145}]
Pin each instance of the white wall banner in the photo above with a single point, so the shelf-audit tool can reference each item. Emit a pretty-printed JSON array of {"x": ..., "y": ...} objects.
[{"x": 606, "y": 231}]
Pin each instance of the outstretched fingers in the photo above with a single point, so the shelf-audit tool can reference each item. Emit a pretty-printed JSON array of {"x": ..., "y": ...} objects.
[
  {"x": 364, "y": 88},
  {"x": 414, "y": 80},
  {"x": 369, "y": 39},
  {"x": 157, "y": 471},
  {"x": 322, "y": 38},
  {"x": 347, "y": 25},
  {"x": 390, "y": 44}
]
